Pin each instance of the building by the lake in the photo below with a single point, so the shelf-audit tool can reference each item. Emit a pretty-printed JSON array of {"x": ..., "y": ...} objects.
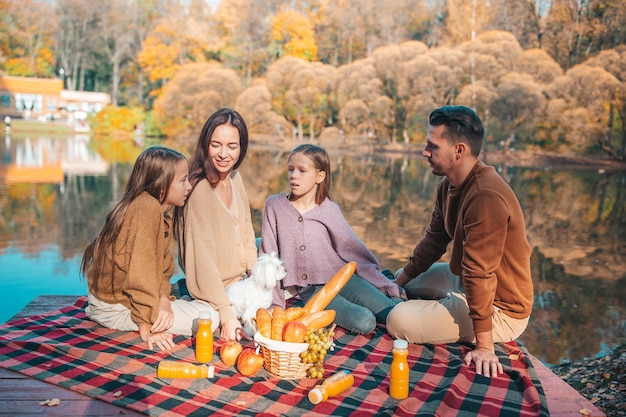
[{"x": 45, "y": 99}]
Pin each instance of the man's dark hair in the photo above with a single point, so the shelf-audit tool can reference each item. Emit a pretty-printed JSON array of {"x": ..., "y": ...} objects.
[{"x": 462, "y": 125}]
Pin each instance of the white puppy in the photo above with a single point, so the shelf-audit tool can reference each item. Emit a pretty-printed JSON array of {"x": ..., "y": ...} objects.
[{"x": 254, "y": 292}]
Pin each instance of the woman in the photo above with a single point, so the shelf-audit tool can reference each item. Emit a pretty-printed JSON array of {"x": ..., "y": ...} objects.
[{"x": 216, "y": 240}]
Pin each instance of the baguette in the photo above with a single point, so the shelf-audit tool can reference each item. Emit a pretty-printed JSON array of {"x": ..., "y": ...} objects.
[{"x": 325, "y": 295}]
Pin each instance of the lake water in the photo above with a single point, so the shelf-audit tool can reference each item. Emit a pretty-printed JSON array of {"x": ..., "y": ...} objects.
[{"x": 55, "y": 194}]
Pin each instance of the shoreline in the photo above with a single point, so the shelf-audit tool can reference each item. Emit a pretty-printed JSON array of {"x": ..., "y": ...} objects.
[
  {"x": 600, "y": 380},
  {"x": 492, "y": 157}
]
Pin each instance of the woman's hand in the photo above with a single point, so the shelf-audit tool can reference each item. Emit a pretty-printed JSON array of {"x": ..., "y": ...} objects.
[
  {"x": 165, "y": 316},
  {"x": 232, "y": 330},
  {"x": 164, "y": 341}
]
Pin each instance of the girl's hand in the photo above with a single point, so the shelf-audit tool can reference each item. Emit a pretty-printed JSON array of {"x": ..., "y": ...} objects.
[
  {"x": 232, "y": 330},
  {"x": 164, "y": 341},
  {"x": 165, "y": 316}
]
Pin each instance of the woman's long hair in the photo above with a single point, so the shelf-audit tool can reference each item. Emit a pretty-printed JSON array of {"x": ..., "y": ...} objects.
[
  {"x": 201, "y": 166},
  {"x": 153, "y": 172}
]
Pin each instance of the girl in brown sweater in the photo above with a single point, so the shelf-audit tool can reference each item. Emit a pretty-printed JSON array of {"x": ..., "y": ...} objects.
[{"x": 128, "y": 264}]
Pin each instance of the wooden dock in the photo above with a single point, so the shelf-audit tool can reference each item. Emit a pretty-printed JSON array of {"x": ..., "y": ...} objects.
[{"x": 20, "y": 395}]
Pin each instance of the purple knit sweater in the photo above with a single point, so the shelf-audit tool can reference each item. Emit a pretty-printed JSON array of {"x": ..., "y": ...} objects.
[{"x": 315, "y": 245}]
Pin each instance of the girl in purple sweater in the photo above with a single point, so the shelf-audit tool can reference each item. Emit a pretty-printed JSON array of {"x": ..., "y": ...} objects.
[{"x": 311, "y": 236}]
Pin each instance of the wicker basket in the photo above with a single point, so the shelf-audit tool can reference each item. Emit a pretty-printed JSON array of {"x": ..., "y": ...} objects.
[{"x": 282, "y": 359}]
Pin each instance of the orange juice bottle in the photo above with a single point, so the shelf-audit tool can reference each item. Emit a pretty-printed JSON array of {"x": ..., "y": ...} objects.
[
  {"x": 333, "y": 385},
  {"x": 174, "y": 369},
  {"x": 399, "y": 374},
  {"x": 204, "y": 338}
]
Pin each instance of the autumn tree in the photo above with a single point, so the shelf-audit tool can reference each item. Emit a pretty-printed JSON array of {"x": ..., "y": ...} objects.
[
  {"x": 196, "y": 91},
  {"x": 522, "y": 18},
  {"x": 76, "y": 34},
  {"x": 428, "y": 81},
  {"x": 255, "y": 106},
  {"x": 539, "y": 64},
  {"x": 181, "y": 36},
  {"x": 348, "y": 30},
  {"x": 464, "y": 19},
  {"x": 388, "y": 62},
  {"x": 303, "y": 93},
  {"x": 28, "y": 29},
  {"x": 359, "y": 94},
  {"x": 245, "y": 28},
  {"x": 117, "y": 42},
  {"x": 614, "y": 62},
  {"x": 587, "y": 98},
  {"x": 292, "y": 34},
  {"x": 577, "y": 29},
  {"x": 519, "y": 104}
]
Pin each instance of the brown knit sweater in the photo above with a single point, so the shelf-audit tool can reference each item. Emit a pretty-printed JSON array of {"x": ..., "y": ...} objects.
[
  {"x": 142, "y": 264},
  {"x": 490, "y": 251}
]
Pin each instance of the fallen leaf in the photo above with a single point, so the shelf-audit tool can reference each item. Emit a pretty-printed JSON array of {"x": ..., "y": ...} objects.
[
  {"x": 50, "y": 403},
  {"x": 117, "y": 393},
  {"x": 585, "y": 412}
]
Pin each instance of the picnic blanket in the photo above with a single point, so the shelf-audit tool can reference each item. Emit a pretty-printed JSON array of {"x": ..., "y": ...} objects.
[{"x": 67, "y": 349}]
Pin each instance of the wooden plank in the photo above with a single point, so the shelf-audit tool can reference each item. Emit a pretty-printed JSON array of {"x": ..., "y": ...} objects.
[
  {"x": 20, "y": 394},
  {"x": 45, "y": 303}
]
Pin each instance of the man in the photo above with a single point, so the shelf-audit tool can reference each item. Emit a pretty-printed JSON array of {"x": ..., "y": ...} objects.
[{"x": 484, "y": 294}]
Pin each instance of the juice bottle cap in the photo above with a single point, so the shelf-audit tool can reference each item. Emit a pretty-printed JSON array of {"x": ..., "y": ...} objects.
[
  {"x": 205, "y": 314},
  {"x": 316, "y": 396},
  {"x": 400, "y": 344}
]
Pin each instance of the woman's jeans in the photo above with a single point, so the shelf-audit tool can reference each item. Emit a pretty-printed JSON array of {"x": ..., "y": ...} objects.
[{"x": 359, "y": 305}]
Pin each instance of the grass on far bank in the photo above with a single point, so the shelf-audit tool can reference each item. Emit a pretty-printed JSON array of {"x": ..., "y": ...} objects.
[{"x": 20, "y": 127}]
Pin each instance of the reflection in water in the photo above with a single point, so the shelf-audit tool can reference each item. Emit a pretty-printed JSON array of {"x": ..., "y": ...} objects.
[{"x": 575, "y": 219}]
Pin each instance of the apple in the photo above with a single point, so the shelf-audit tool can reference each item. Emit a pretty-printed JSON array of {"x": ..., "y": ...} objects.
[
  {"x": 229, "y": 352},
  {"x": 249, "y": 362},
  {"x": 294, "y": 331}
]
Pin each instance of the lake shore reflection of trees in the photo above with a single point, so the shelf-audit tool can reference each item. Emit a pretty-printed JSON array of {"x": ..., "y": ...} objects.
[{"x": 575, "y": 220}]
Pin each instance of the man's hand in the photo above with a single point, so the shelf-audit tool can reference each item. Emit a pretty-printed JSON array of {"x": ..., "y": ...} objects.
[
  {"x": 487, "y": 363},
  {"x": 484, "y": 356},
  {"x": 402, "y": 279}
]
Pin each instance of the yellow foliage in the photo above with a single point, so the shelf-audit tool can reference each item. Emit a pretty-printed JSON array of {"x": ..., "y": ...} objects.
[
  {"x": 295, "y": 32},
  {"x": 116, "y": 121},
  {"x": 158, "y": 60},
  {"x": 18, "y": 67}
]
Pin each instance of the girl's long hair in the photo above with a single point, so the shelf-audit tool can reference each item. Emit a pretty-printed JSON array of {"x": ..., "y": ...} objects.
[
  {"x": 321, "y": 161},
  {"x": 153, "y": 172},
  {"x": 201, "y": 166}
]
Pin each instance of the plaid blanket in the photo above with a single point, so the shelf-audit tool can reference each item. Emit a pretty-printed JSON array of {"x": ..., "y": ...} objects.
[{"x": 66, "y": 349}]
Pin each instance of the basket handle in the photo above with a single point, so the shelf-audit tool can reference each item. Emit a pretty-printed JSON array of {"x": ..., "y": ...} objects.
[{"x": 253, "y": 324}]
